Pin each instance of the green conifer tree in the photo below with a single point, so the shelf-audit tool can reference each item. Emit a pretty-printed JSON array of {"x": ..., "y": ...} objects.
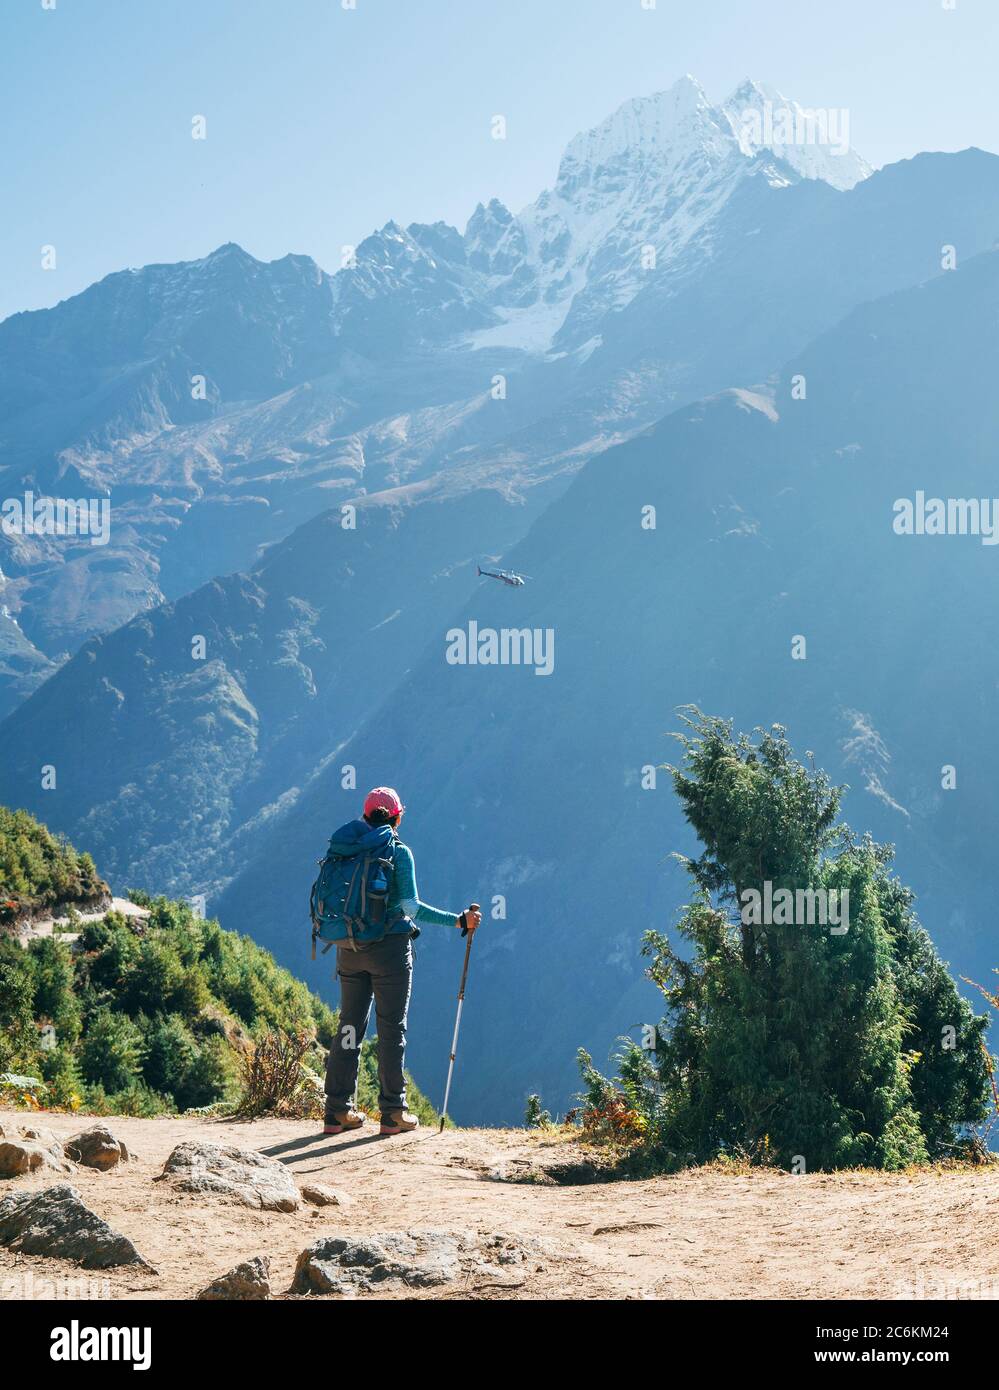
[{"x": 795, "y": 1043}]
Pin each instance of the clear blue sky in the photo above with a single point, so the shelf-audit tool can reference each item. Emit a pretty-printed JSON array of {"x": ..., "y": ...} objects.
[{"x": 323, "y": 123}]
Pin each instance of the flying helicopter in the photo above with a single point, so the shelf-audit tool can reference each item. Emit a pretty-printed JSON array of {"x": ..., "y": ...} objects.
[{"x": 516, "y": 581}]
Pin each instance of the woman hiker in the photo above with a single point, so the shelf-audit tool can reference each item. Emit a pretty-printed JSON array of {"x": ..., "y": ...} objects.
[{"x": 381, "y": 968}]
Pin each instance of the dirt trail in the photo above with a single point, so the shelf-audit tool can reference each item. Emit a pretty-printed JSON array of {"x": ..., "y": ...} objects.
[{"x": 698, "y": 1235}]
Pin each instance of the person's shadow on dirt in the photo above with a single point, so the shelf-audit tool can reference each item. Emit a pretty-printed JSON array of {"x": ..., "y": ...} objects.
[{"x": 285, "y": 1153}]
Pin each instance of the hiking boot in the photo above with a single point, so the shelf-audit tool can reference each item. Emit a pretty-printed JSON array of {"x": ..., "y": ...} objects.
[
  {"x": 398, "y": 1122},
  {"x": 342, "y": 1120}
]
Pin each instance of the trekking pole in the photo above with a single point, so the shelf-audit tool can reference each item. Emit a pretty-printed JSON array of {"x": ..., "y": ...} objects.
[{"x": 457, "y": 1021}]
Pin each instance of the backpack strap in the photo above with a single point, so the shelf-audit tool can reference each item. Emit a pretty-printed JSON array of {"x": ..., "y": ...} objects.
[
  {"x": 391, "y": 921},
  {"x": 348, "y": 920}
]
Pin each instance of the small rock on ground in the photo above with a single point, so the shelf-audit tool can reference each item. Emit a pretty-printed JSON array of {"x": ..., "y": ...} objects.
[
  {"x": 247, "y": 1282},
  {"x": 249, "y": 1177},
  {"x": 322, "y": 1196},
  {"x": 97, "y": 1147}
]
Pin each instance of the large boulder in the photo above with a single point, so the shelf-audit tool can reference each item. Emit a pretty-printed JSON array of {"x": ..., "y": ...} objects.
[
  {"x": 248, "y": 1282},
  {"x": 29, "y": 1150},
  {"x": 96, "y": 1147},
  {"x": 243, "y": 1174},
  {"x": 418, "y": 1259},
  {"x": 56, "y": 1222}
]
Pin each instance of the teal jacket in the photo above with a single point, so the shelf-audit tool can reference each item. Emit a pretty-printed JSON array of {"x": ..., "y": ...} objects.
[{"x": 404, "y": 897}]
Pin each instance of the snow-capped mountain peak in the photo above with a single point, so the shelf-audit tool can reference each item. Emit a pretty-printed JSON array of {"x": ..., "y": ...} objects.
[
  {"x": 641, "y": 129},
  {"x": 632, "y": 194}
]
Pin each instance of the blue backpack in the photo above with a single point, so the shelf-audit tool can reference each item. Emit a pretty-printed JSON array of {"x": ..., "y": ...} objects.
[{"x": 349, "y": 899}]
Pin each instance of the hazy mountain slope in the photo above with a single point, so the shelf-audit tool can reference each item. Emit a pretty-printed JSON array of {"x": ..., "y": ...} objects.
[
  {"x": 773, "y": 521},
  {"x": 22, "y": 666},
  {"x": 163, "y": 754},
  {"x": 216, "y": 403},
  {"x": 791, "y": 262},
  {"x": 302, "y": 405}
]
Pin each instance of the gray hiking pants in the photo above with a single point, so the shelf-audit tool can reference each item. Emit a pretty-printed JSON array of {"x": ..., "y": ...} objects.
[{"x": 383, "y": 970}]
